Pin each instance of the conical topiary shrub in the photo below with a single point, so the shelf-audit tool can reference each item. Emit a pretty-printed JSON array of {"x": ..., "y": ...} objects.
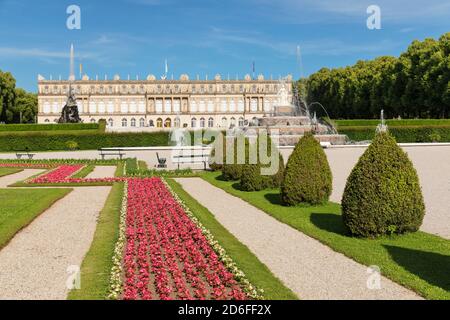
[
  {"x": 307, "y": 177},
  {"x": 383, "y": 194},
  {"x": 252, "y": 178}
]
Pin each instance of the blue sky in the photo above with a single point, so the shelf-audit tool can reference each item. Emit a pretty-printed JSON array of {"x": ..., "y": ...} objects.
[{"x": 133, "y": 37}]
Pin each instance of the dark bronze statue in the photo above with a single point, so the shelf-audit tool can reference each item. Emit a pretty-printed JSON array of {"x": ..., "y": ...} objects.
[{"x": 69, "y": 113}]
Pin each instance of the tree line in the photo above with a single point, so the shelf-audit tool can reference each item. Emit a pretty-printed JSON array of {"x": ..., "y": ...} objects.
[
  {"x": 16, "y": 104},
  {"x": 414, "y": 85}
]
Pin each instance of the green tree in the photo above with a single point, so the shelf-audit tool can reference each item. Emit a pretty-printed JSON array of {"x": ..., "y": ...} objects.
[
  {"x": 24, "y": 109},
  {"x": 7, "y": 94}
]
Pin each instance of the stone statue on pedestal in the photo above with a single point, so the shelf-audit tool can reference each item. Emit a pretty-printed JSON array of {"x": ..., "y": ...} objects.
[{"x": 69, "y": 113}]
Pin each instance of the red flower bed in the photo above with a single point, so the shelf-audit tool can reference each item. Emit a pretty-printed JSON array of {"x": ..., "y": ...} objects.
[
  {"x": 58, "y": 175},
  {"x": 166, "y": 255},
  {"x": 25, "y": 165}
]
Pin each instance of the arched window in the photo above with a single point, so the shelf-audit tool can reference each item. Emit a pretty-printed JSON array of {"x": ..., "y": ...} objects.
[
  {"x": 210, "y": 122},
  {"x": 193, "y": 106},
  {"x": 224, "y": 122},
  {"x": 159, "y": 106},
  {"x": 101, "y": 107},
  {"x": 141, "y": 122},
  {"x": 46, "y": 120},
  {"x": 168, "y": 123},
  {"x": 92, "y": 120},
  {"x": 159, "y": 122},
  {"x": 193, "y": 122},
  {"x": 232, "y": 122},
  {"x": 124, "y": 122},
  {"x": 253, "y": 105},
  {"x": 111, "y": 122},
  {"x": 133, "y": 122},
  {"x": 241, "y": 122},
  {"x": 202, "y": 122},
  {"x": 151, "y": 123},
  {"x": 176, "y": 122}
]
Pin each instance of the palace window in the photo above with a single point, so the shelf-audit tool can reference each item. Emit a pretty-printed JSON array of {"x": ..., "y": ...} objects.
[
  {"x": 168, "y": 106},
  {"x": 210, "y": 106},
  {"x": 254, "y": 105},
  {"x": 193, "y": 122},
  {"x": 110, "y": 122},
  {"x": 241, "y": 105},
  {"x": 176, "y": 122},
  {"x": 92, "y": 120},
  {"x": 176, "y": 105},
  {"x": 210, "y": 122},
  {"x": 159, "y": 106},
  {"x": 133, "y": 107},
  {"x": 151, "y": 123},
  {"x": 168, "y": 123},
  {"x": 202, "y": 89},
  {"x": 46, "y": 89},
  {"x": 193, "y": 106},
  {"x": 110, "y": 107},
  {"x": 232, "y": 106},
  {"x": 46, "y": 107},
  {"x": 232, "y": 88},
  {"x": 232, "y": 122},
  {"x": 124, "y": 122},
  {"x": 141, "y": 122},
  {"x": 110, "y": 89},
  {"x": 241, "y": 122},
  {"x": 211, "y": 89},
  {"x": 202, "y": 122},
  {"x": 141, "y": 107},
  {"x": 46, "y": 121},
  {"x": 101, "y": 89},
  {"x": 202, "y": 106},
  {"x": 224, "y": 122},
  {"x": 193, "y": 89},
  {"x": 223, "y": 105},
  {"x": 241, "y": 88},
  {"x": 101, "y": 107},
  {"x": 159, "y": 122},
  {"x": 267, "y": 105},
  {"x": 55, "y": 107},
  {"x": 254, "y": 88},
  {"x": 133, "y": 122},
  {"x": 254, "y": 121},
  {"x": 123, "y": 107}
]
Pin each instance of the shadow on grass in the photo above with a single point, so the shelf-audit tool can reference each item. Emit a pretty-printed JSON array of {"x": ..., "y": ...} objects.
[
  {"x": 274, "y": 198},
  {"x": 329, "y": 222},
  {"x": 432, "y": 267}
]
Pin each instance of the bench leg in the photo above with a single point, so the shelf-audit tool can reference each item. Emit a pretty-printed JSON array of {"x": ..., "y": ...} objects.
[
  {"x": 30, "y": 156},
  {"x": 18, "y": 156},
  {"x": 103, "y": 156},
  {"x": 120, "y": 156}
]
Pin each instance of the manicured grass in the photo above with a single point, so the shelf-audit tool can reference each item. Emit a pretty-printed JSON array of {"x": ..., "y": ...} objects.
[
  {"x": 84, "y": 171},
  {"x": 18, "y": 208},
  {"x": 419, "y": 261},
  {"x": 97, "y": 264},
  {"x": 8, "y": 171},
  {"x": 257, "y": 273}
]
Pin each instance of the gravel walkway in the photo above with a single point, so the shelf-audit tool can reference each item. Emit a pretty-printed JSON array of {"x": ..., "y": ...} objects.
[
  {"x": 102, "y": 172},
  {"x": 34, "y": 264},
  {"x": 311, "y": 269},
  {"x": 19, "y": 176}
]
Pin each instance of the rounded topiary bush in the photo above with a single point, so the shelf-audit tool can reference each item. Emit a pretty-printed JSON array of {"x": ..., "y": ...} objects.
[
  {"x": 255, "y": 177},
  {"x": 382, "y": 194},
  {"x": 307, "y": 177}
]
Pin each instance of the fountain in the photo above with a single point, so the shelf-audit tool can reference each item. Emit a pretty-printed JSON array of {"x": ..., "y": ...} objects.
[{"x": 290, "y": 121}]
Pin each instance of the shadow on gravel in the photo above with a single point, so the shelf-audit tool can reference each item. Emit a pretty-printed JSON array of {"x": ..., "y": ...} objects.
[
  {"x": 432, "y": 267},
  {"x": 329, "y": 222}
]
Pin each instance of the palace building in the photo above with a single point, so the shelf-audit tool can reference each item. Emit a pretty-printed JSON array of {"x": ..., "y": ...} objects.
[{"x": 155, "y": 104}]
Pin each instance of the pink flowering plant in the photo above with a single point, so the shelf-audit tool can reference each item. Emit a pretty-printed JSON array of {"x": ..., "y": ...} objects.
[{"x": 163, "y": 254}]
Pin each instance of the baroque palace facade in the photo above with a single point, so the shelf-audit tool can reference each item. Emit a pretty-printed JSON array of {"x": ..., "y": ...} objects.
[{"x": 155, "y": 104}]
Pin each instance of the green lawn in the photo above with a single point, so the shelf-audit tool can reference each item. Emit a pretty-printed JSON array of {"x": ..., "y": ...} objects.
[
  {"x": 8, "y": 171},
  {"x": 97, "y": 264},
  {"x": 419, "y": 261},
  {"x": 18, "y": 208},
  {"x": 257, "y": 273}
]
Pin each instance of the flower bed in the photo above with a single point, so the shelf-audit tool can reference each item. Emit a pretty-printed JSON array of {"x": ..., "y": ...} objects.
[
  {"x": 57, "y": 175},
  {"x": 163, "y": 254},
  {"x": 26, "y": 165}
]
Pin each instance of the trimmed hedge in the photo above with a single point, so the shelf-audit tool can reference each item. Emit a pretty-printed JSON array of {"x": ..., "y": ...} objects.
[
  {"x": 308, "y": 177},
  {"x": 405, "y": 134},
  {"x": 42, "y": 141},
  {"x": 382, "y": 195},
  {"x": 49, "y": 127},
  {"x": 395, "y": 123}
]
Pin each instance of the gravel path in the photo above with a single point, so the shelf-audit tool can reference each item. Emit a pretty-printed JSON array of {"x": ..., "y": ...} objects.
[
  {"x": 311, "y": 269},
  {"x": 34, "y": 264},
  {"x": 102, "y": 172},
  {"x": 19, "y": 176}
]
